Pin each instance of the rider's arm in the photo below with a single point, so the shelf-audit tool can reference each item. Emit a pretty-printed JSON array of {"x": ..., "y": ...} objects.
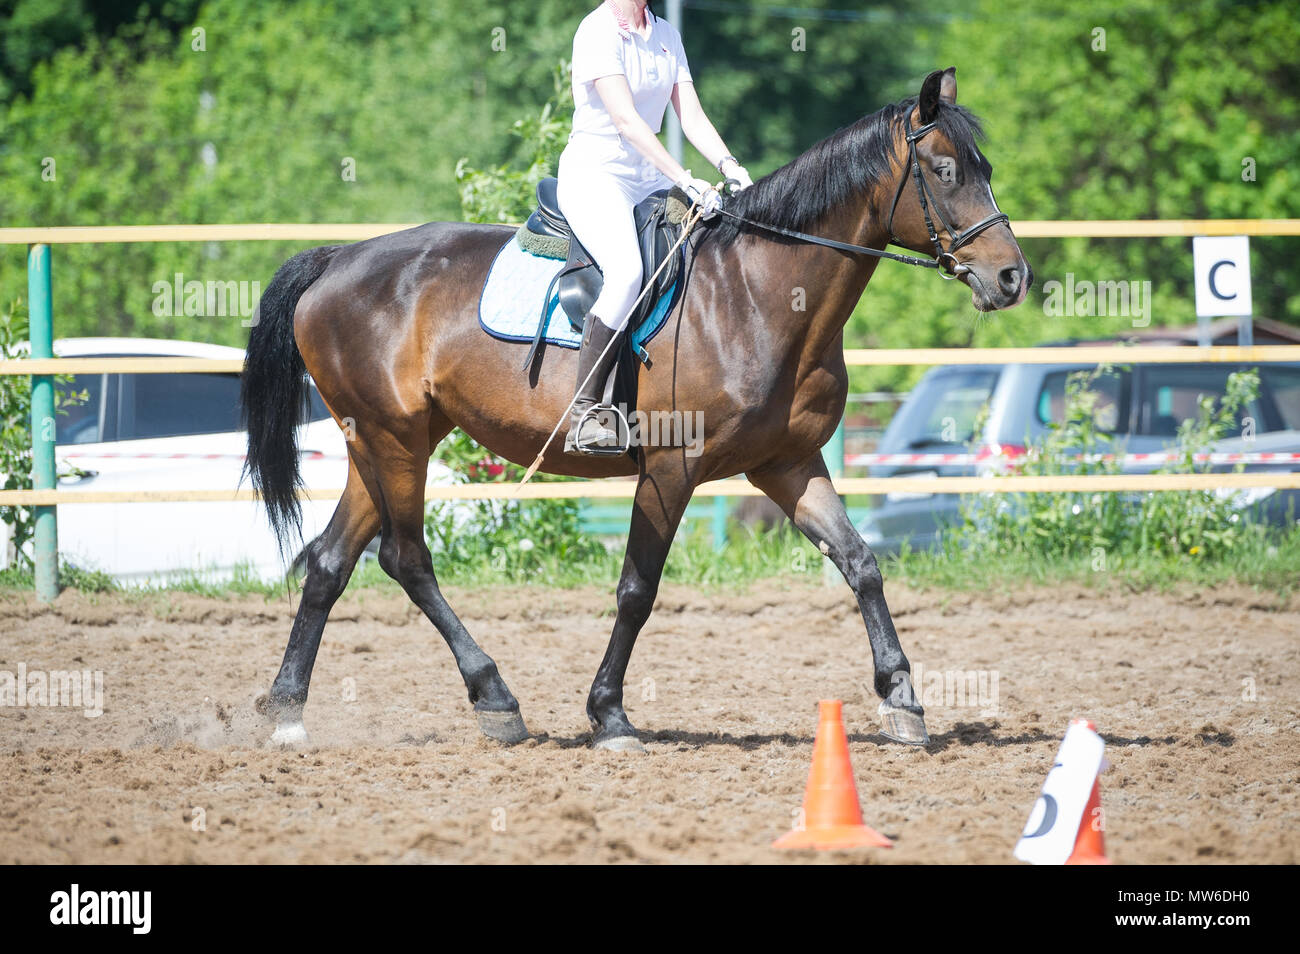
[
  {"x": 696, "y": 125},
  {"x": 616, "y": 96}
]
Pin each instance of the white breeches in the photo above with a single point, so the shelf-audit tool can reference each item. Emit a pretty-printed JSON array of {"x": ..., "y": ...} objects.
[{"x": 601, "y": 181}]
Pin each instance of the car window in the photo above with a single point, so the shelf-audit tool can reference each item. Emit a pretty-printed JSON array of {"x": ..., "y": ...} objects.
[
  {"x": 316, "y": 409},
  {"x": 172, "y": 405},
  {"x": 943, "y": 409},
  {"x": 1109, "y": 411},
  {"x": 80, "y": 422},
  {"x": 1168, "y": 395},
  {"x": 1283, "y": 384},
  {"x": 168, "y": 405}
]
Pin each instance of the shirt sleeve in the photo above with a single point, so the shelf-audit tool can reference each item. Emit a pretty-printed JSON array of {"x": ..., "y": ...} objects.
[
  {"x": 597, "y": 52},
  {"x": 679, "y": 53}
]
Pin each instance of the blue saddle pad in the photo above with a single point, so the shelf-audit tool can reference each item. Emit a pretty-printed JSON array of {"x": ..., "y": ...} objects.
[{"x": 511, "y": 303}]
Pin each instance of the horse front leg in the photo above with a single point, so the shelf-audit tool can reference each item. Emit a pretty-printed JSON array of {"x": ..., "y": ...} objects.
[
  {"x": 657, "y": 509},
  {"x": 805, "y": 492}
]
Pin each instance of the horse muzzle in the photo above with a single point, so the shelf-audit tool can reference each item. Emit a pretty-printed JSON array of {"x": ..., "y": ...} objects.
[{"x": 996, "y": 289}]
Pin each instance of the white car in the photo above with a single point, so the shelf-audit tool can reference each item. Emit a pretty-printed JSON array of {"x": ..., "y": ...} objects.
[{"x": 176, "y": 432}]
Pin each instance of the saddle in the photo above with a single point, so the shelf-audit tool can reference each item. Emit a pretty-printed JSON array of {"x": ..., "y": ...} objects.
[{"x": 657, "y": 219}]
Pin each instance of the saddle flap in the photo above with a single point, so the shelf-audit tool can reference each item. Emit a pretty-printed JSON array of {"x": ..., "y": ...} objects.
[
  {"x": 548, "y": 198},
  {"x": 657, "y": 222}
]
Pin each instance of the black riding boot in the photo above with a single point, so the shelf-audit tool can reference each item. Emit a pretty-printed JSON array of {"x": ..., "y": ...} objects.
[{"x": 587, "y": 435}]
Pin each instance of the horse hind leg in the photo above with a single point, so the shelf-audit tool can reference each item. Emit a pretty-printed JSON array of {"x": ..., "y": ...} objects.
[
  {"x": 404, "y": 555},
  {"x": 330, "y": 559}
]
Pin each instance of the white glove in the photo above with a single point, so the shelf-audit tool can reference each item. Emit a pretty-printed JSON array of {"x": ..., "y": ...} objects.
[
  {"x": 731, "y": 169},
  {"x": 702, "y": 194}
]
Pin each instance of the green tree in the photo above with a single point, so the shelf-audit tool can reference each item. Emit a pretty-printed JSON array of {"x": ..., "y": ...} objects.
[
  {"x": 289, "y": 112},
  {"x": 1152, "y": 118}
]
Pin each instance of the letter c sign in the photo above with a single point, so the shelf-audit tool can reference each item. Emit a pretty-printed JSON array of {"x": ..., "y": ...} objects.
[
  {"x": 1214, "y": 288},
  {"x": 1222, "y": 269}
]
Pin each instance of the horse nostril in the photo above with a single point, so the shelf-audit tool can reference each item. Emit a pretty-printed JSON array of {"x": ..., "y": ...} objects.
[{"x": 1009, "y": 280}]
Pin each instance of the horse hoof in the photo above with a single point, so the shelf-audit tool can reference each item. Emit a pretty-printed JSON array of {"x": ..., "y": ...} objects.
[
  {"x": 505, "y": 727},
  {"x": 619, "y": 743},
  {"x": 289, "y": 733},
  {"x": 900, "y": 725}
]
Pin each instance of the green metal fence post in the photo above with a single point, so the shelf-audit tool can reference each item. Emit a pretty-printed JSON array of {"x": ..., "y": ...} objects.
[
  {"x": 719, "y": 523},
  {"x": 833, "y": 454},
  {"x": 41, "y": 330}
]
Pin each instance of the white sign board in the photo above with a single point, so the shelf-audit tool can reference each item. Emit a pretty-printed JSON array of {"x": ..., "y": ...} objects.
[
  {"x": 1053, "y": 825},
  {"x": 1222, "y": 267}
]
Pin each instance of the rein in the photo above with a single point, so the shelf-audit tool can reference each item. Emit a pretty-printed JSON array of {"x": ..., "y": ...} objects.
[
  {"x": 831, "y": 243},
  {"x": 928, "y": 201}
]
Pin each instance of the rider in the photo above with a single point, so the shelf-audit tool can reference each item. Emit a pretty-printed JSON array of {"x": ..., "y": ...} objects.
[{"x": 627, "y": 65}]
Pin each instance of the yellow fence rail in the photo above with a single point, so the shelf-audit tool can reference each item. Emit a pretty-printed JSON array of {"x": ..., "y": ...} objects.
[{"x": 352, "y": 232}]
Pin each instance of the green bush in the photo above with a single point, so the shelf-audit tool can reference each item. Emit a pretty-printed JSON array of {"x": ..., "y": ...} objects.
[
  {"x": 16, "y": 425},
  {"x": 1199, "y": 524},
  {"x": 516, "y": 538},
  {"x": 16, "y": 428}
]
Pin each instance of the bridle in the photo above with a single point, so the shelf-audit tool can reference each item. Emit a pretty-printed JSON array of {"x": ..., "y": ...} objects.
[{"x": 928, "y": 201}]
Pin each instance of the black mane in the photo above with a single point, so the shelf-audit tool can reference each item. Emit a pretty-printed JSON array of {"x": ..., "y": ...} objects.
[{"x": 840, "y": 167}]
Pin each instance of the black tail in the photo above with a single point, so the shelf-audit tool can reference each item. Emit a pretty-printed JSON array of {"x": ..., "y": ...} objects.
[{"x": 273, "y": 394}]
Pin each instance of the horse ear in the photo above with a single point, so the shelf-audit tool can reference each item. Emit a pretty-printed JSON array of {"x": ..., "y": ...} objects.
[
  {"x": 948, "y": 86},
  {"x": 928, "y": 102}
]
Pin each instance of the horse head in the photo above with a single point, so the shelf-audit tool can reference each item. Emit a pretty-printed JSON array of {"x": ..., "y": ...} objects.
[{"x": 943, "y": 202}]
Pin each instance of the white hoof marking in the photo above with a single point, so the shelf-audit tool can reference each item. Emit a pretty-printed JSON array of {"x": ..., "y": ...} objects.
[{"x": 289, "y": 733}]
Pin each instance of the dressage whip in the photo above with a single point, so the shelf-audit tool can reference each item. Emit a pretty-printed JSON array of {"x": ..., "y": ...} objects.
[{"x": 693, "y": 215}]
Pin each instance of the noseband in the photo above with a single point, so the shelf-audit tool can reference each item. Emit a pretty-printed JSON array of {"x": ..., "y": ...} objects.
[{"x": 945, "y": 258}]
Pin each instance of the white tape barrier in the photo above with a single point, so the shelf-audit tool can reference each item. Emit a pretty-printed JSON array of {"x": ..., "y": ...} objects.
[
  {"x": 850, "y": 460},
  {"x": 1252, "y": 457},
  {"x": 140, "y": 455}
]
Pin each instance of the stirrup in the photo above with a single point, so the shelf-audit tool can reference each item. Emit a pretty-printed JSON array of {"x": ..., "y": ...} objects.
[{"x": 621, "y": 429}]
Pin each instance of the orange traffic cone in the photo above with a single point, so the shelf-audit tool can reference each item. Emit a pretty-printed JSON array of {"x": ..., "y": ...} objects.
[
  {"x": 832, "y": 817},
  {"x": 1090, "y": 844}
]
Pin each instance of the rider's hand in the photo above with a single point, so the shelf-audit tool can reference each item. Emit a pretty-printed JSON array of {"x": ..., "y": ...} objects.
[
  {"x": 702, "y": 194},
  {"x": 731, "y": 169}
]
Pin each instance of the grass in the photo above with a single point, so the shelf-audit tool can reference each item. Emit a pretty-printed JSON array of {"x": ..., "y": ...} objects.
[
  {"x": 747, "y": 556},
  {"x": 1265, "y": 563}
]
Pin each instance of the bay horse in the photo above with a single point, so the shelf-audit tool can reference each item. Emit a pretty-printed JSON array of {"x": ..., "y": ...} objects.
[{"x": 388, "y": 330}]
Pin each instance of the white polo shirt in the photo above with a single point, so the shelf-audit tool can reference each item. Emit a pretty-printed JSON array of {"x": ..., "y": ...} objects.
[{"x": 653, "y": 66}]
